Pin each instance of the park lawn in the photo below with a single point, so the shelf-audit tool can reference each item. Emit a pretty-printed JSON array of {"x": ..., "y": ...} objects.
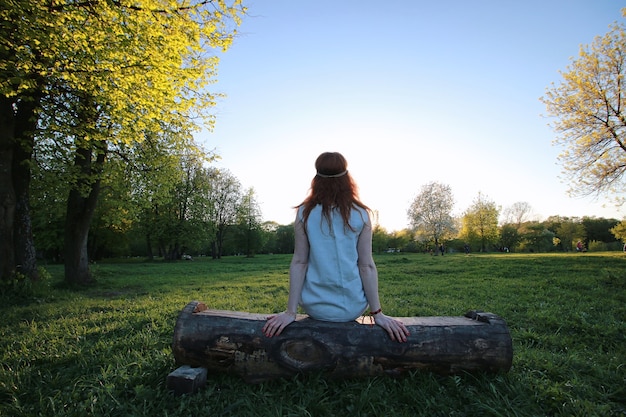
[{"x": 105, "y": 350}]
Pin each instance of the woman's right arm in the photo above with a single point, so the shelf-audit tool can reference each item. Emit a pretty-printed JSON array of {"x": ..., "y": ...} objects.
[
  {"x": 298, "y": 266},
  {"x": 297, "y": 272}
]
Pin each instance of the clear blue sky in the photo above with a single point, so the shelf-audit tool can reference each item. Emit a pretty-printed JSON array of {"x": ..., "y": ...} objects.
[{"x": 410, "y": 92}]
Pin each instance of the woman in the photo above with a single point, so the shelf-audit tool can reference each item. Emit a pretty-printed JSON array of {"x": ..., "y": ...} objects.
[{"x": 332, "y": 273}]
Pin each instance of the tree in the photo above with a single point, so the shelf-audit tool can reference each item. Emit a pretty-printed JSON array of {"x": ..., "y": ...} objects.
[
  {"x": 249, "y": 220},
  {"x": 599, "y": 229},
  {"x": 509, "y": 236},
  {"x": 430, "y": 212},
  {"x": 517, "y": 213},
  {"x": 380, "y": 239},
  {"x": 121, "y": 70},
  {"x": 619, "y": 231},
  {"x": 21, "y": 90},
  {"x": 223, "y": 196},
  {"x": 269, "y": 237},
  {"x": 513, "y": 218},
  {"x": 569, "y": 232},
  {"x": 181, "y": 215},
  {"x": 480, "y": 222},
  {"x": 285, "y": 239},
  {"x": 114, "y": 215},
  {"x": 536, "y": 238},
  {"x": 590, "y": 108},
  {"x": 400, "y": 239}
]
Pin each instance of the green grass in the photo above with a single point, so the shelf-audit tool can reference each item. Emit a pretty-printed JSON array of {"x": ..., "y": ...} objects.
[{"x": 105, "y": 350}]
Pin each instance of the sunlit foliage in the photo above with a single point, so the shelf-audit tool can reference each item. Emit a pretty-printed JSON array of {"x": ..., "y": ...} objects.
[
  {"x": 480, "y": 223},
  {"x": 589, "y": 110}
]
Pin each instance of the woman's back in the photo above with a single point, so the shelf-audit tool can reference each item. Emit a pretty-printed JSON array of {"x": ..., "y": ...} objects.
[{"x": 332, "y": 289}]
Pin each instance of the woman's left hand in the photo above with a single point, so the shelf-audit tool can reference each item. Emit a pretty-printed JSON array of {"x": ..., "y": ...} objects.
[
  {"x": 276, "y": 324},
  {"x": 395, "y": 328}
]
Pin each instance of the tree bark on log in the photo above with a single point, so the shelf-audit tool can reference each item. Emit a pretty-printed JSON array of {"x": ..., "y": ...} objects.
[{"x": 232, "y": 342}]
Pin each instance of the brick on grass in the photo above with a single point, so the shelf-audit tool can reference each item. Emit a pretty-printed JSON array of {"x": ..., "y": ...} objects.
[{"x": 186, "y": 380}]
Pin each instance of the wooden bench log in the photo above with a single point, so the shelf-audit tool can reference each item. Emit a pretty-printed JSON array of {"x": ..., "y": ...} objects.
[{"x": 227, "y": 341}]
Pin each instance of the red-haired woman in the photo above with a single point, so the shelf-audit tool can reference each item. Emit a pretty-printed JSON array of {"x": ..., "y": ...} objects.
[{"x": 332, "y": 273}]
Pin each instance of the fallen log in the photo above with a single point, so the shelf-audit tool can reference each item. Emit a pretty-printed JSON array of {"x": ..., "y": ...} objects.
[{"x": 231, "y": 341}]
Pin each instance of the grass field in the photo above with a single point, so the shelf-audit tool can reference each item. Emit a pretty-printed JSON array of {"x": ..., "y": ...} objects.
[{"x": 105, "y": 350}]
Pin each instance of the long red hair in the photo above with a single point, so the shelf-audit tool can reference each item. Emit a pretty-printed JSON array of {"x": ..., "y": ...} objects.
[{"x": 332, "y": 187}]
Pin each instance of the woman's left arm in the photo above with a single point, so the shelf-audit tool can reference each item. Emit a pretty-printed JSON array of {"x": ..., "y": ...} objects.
[{"x": 369, "y": 277}]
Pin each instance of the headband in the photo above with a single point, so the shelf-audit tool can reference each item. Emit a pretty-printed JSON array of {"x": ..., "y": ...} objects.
[{"x": 341, "y": 174}]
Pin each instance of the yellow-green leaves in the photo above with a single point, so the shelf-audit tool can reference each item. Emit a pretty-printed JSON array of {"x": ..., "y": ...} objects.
[
  {"x": 145, "y": 63},
  {"x": 589, "y": 109}
]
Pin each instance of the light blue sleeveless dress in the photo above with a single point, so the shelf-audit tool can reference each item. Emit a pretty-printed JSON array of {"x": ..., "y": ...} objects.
[{"x": 332, "y": 289}]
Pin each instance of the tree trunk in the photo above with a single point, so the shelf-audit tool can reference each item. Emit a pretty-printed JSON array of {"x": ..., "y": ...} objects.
[
  {"x": 17, "y": 127},
  {"x": 25, "y": 125},
  {"x": 226, "y": 341},
  {"x": 219, "y": 241},
  {"x": 7, "y": 193},
  {"x": 150, "y": 255},
  {"x": 172, "y": 252},
  {"x": 81, "y": 206}
]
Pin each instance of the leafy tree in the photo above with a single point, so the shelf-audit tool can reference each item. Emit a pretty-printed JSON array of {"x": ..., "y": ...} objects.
[
  {"x": 430, "y": 213},
  {"x": 469, "y": 234},
  {"x": 114, "y": 214},
  {"x": 269, "y": 237},
  {"x": 510, "y": 236},
  {"x": 619, "y": 231},
  {"x": 119, "y": 71},
  {"x": 513, "y": 218},
  {"x": 599, "y": 229},
  {"x": 21, "y": 88},
  {"x": 380, "y": 239},
  {"x": 400, "y": 239},
  {"x": 181, "y": 217},
  {"x": 249, "y": 220},
  {"x": 590, "y": 111},
  {"x": 154, "y": 169},
  {"x": 536, "y": 237},
  {"x": 223, "y": 198},
  {"x": 480, "y": 222},
  {"x": 570, "y": 232},
  {"x": 48, "y": 198},
  {"x": 285, "y": 239}
]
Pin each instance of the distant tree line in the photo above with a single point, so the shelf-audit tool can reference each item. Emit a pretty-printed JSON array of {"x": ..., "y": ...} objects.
[
  {"x": 555, "y": 234},
  {"x": 485, "y": 227},
  {"x": 186, "y": 209}
]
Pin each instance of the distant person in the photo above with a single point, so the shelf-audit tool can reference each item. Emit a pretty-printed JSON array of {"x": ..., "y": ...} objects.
[
  {"x": 332, "y": 273},
  {"x": 579, "y": 246},
  {"x": 442, "y": 249},
  {"x": 467, "y": 249}
]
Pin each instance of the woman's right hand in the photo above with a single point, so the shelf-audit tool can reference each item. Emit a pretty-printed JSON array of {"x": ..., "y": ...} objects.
[{"x": 276, "y": 324}]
